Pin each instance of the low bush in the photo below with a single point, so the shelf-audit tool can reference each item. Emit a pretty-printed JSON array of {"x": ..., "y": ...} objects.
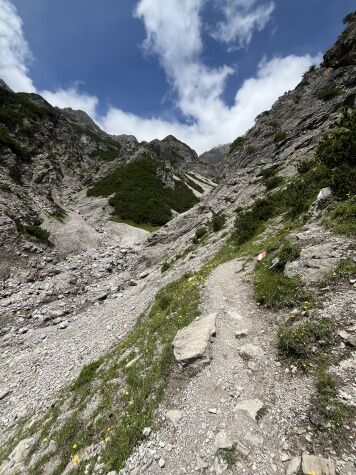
[
  {"x": 280, "y": 136},
  {"x": 218, "y": 222},
  {"x": 199, "y": 234},
  {"x": 7, "y": 141},
  {"x": 273, "y": 182},
  {"x": 274, "y": 290},
  {"x": 328, "y": 93},
  {"x": 165, "y": 266},
  {"x": 34, "y": 230},
  {"x": 105, "y": 155}
]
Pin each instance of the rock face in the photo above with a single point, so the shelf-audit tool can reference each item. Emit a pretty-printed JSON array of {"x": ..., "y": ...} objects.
[
  {"x": 216, "y": 157},
  {"x": 191, "y": 344}
]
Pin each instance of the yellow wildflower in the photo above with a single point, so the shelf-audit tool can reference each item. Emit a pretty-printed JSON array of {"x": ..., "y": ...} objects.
[
  {"x": 126, "y": 393},
  {"x": 75, "y": 459},
  {"x": 107, "y": 439},
  {"x": 45, "y": 439},
  {"x": 131, "y": 402},
  {"x": 108, "y": 429},
  {"x": 74, "y": 446}
]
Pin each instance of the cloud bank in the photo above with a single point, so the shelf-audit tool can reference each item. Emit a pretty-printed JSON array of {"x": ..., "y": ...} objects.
[{"x": 174, "y": 36}]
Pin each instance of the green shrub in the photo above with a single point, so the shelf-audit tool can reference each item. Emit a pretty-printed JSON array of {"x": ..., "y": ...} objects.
[
  {"x": 287, "y": 252},
  {"x": 300, "y": 342},
  {"x": 237, "y": 143},
  {"x": 193, "y": 185},
  {"x": 305, "y": 165},
  {"x": 280, "y": 136},
  {"x": 341, "y": 217},
  {"x": 199, "y": 234},
  {"x": 140, "y": 195},
  {"x": 343, "y": 181},
  {"x": 87, "y": 374},
  {"x": 7, "y": 141},
  {"x": 273, "y": 182},
  {"x": 34, "y": 230},
  {"x": 106, "y": 155},
  {"x": 218, "y": 222},
  {"x": 165, "y": 266},
  {"x": 269, "y": 172},
  {"x": 328, "y": 93}
]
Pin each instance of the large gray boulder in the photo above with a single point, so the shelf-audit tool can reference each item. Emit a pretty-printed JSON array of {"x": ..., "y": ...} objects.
[{"x": 192, "y": 343}]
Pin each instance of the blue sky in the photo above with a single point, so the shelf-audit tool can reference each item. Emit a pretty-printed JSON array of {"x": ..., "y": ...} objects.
[{"x": 206, "y": 69}]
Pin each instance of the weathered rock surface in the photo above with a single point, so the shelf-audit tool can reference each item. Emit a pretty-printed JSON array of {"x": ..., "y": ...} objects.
[
  {"x": 192, "y": 342},
  {"x": 317, "y": 465}
]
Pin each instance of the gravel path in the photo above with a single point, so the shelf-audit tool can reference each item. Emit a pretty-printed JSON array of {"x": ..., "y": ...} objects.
[{"x": 210, "y": 404}]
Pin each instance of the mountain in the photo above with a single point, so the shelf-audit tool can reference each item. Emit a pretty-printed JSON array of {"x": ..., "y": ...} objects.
[
  {"x": 224, "y": 341},
  {"x": 216, "y": 157}
]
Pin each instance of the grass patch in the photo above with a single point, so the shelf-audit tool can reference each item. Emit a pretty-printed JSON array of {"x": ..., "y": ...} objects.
[
  {"x": 273, "y": 182},
  {"x": 328, "y": 413},
  {"x": 228, "y": 456},
  {"x": 341, "y": 217},
  {"x": 328, "y": 93},
  {"x": 165, "y": 266},
  {"x": 200, "y": 233},
  {"x": 305, "y": 341},
  {"x": 59, "y": 216},
  {"x": 346, "y": 268},
  {"x": 140, "y": 195},
  {"x": 193, "y": 185},
  {"x": 217, "y": 222},
  {"x": 87, "y": 374}
]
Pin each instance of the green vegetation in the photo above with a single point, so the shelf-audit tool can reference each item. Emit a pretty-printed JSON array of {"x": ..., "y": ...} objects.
[
  {"x": 59, "y": 215},
  {"x": 273, "y": 182},
  {"x": 5, "y": 187},
  {"x": 105, "y": 155},
  {"x": 280, "y": 136},
  {"x": 145, "y": 226},
  {"x": 87, "y": 374},
  {"x": 192, "y": 184},
  {"x": 306, "y": 340},
  {"x": 199, "y": 234},
  {"x": 33, "y": 230},
  {"x": 328, "y": 93},
  {"x": 237, "y": 143},
  {"x": 341, "y": 217},
  {"x": 346, "y": 268},
  {"x": 140, "y": 195},
  {"x": 328, "y": 413},
  {"x": 7, "y": 141},
  {"x": 337, "y": 152},
  {"x": 165, "y": 266},
  {"x": 217, "y": 222},
  {"x": 228, "y": 456}
]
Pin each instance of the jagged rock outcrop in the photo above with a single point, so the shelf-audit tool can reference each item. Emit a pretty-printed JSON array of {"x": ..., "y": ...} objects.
[
  {"x": 343, "y": 53},
  {"x": 216, "y": 157}
]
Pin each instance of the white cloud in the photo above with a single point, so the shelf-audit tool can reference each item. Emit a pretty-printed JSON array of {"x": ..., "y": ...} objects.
[
  {"x": 173, "y": 34},
  {"x": 241, "y": 19},
  {"x": 74, "y": 98},
  {"x": 14, "y": 51}
]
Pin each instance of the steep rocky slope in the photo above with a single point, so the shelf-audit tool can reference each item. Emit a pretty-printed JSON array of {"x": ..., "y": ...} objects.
[{"x": 200, "y": 358}]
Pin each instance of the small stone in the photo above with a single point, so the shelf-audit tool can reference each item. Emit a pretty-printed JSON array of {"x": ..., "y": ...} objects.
[
  {"x": 251, "y": 406},
  {"x": 212, "y": 410},
  {"x": 174, "y": 416},
  {"x": 146, "y": 431},
  {"x": 63, "y": 325},
  {"x": 285, "y": 457},
  {"x": 161, "y": 462},
  {"x": 222, "y": 441}
]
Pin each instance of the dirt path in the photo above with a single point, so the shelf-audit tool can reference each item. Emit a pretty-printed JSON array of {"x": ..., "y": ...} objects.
[{"x": 209, "y": 403}]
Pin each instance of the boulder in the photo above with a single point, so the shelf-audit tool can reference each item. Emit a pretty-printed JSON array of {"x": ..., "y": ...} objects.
[
  {"x": 317, "y": 465},
  {"x": 192, "y": 342},
  {"x": 251, "y": 406}
]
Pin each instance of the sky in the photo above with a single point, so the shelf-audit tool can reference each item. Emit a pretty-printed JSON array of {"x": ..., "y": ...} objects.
[{"x": 200, "y": 70}]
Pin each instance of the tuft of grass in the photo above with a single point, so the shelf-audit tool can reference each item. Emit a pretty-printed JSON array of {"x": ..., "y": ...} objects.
[
  {"x": 59, "y": 216},
  {"x": 228, "y": 456},
  {"x": 341, "y": 217},
  {"x": 328, "y": 413},
  {"x": 306, "y": 340},
  {"x": 87, "y": 374},
  {"x": 274, "y": 290},
  {"x": 328, "y": 93},
  {"x": 346, "y": 268}
]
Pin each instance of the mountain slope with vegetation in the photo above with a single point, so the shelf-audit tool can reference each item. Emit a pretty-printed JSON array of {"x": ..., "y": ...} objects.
[{"x": 225, "y": 341}]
